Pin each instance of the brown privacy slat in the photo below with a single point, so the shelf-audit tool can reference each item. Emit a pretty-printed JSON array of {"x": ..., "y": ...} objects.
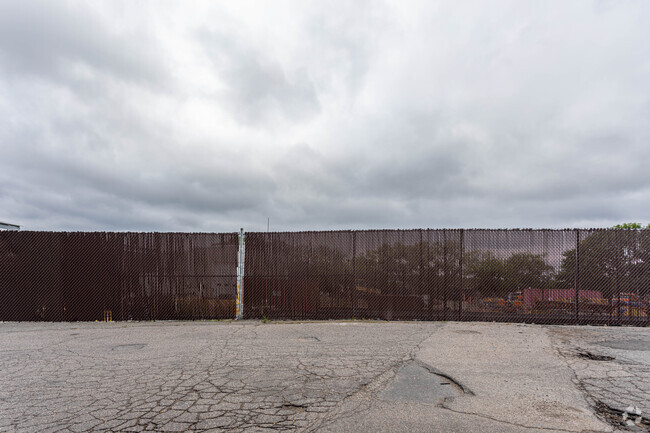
[
  {"x": 93, "y": 276},
  {"x": 537, "y": 276},
  {"x": 471, "y": 274}
]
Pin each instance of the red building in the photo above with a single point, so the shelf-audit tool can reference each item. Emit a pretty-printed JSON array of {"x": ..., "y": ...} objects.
[{"x": 530, "y": 296}]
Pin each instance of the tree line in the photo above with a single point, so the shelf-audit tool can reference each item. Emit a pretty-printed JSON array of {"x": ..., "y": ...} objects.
[{"x": 610, "y": 261}]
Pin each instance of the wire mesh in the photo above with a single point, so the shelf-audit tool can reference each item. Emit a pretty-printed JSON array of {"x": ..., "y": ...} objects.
[
  {"x": 540, "y": 276},
  {"x": 59, "y": 276},
  {"x": 613, "y": 275},
  {"x": 488, "y": 275},
  {"x": 509, "y": 275},
  {"x": 391, "y": 274},
  {"x": 299, "y": 275}
]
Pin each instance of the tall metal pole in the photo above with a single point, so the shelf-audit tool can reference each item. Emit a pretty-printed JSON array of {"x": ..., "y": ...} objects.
[{"x": 239, "y": 309}]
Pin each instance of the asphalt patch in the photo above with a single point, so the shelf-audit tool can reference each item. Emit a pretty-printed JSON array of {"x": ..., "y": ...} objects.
[
  {"x": 414, "y": 383},
  {"x": 642, "y": 345},
  {"x": 128, "y": 347}
]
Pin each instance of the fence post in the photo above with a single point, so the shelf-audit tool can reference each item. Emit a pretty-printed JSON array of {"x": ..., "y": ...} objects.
[
  {"x": 239, "y": 307},
  {"x": 460, "y": 298},
  {"x": 576, "y": 285},
  {"x": 445, "y": 275},
  {"x": 617, "y": 273},
  {"x": 354, "y": 274},
  {"x": 422, "y": 314}
]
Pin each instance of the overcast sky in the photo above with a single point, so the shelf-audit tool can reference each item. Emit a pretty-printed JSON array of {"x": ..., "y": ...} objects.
[{"x": 161, "y": 116}]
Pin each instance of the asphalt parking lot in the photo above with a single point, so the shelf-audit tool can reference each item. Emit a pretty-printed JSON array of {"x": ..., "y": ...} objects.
[{"x": 321, "y": 376}]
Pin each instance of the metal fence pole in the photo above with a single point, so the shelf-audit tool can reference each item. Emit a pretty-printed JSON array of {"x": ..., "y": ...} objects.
[
  {"x": 239, "y": 308},
  {"x": 576, "y": 284},
  {"x": 354, "y": 274},
  {"x": 617, "y": 273},
  {"x": 445, "y": 277},
  {"x": 421, "y": 282},
  {"x": 460, "y": 297}
]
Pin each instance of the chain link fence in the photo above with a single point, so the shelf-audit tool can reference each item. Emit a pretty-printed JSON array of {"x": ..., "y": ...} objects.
[
  {"x": 57, "y": 276},
  {"x": 538, "y": 276}
]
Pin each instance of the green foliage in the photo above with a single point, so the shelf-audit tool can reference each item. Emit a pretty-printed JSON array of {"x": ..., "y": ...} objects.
[
  {"x": 485, "y": 273},
  {"x": 631, "y": 226},
  {"x": 399, "y": 269},
  {"x": 489, "y": 275},
  {"x": 528, "y": 270},
  {"x": 403, "y": 269},
  {"x": 610, "y": 262}
]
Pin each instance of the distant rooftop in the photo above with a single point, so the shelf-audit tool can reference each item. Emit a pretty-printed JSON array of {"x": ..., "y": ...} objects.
[{"x": 7, "y": 226}]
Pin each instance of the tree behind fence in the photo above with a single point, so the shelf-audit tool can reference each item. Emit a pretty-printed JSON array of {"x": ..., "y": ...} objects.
[
  {"x": 541, "y": 276},
  {"x": 502, "y": 275}
]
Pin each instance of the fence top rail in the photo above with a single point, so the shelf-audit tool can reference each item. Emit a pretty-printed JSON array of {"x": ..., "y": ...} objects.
[
  {"x": 123, "y": 232},
  {"x": 596, "y": 229},
  {"x": 234, "y": 233}
]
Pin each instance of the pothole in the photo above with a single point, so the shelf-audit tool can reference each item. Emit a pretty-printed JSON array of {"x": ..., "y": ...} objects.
[
  {"x": 466, "y": 331},
  {"x": 415, "y": 383},
  {"x": 127, "y": 347},
  {"x": 593, "y": 356},
  {"x": 619, "y": 418}
]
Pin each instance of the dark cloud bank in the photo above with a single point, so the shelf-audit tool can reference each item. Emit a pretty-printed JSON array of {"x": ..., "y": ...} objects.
[{"x": 323, "y": 116}]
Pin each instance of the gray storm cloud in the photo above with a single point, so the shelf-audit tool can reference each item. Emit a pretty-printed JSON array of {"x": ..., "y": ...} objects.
[{"x": 153, "y": 116}]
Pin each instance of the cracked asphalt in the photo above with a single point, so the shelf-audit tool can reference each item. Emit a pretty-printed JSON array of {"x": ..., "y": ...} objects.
[
  {"x": 315, "y": 376},
  {"x": 611, "y": 365}
]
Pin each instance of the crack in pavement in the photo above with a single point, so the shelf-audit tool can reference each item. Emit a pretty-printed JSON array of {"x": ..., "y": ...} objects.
[
  {"x": 371, "y": 387},
  {"x": 239, "y": 376},
  {"x": 501, "y": 421},
  {"x": 456, "y": 382},
  {"x": 604, "y": 379},
  {"x": 195, "y": 377}
]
